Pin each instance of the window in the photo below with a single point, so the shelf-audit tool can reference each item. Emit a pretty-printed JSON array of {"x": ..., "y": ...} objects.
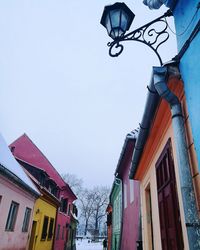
[
  {"x": 148, "y": 211},
  {"x": 117, "y": 212},
  {"x": 109, "y": 219},
  {"x": 63, "y": 206},
  {"x": 58, "y": 232},
  {"x": 50, "y": 233},
  {"x": 54, "y": 191},
  {"x": 0, "y": 198},
  {"x": 69, "y": 208},
  {"x": 44, "y": 229},
  {"x": 125, "y": 195},
  {"x": 27, "y": 216},
  {"x": 63, "y": 233},
  {"x": 12, "y": 215},
  {"x": 131, "y": 191},
  {"x": 42, "y": 179}
]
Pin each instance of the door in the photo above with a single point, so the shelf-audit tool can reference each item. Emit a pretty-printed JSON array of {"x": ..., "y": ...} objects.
[
  {"x": 149, "y": 217},
  {"x": 170, "y": 223},
  {"x": 32, "y": 239}
]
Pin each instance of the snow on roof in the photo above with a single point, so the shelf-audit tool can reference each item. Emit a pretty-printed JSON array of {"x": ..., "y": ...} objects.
[
  {"x": 8, "y": 161},
  {"x": 133, "y": 134},
  {"x": 129, "y": 137}
]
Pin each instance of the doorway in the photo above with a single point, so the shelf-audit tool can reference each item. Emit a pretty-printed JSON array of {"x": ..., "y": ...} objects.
[
  {"x": 32, "y": 238},
  {"x": 149, "y": 217},
  {"x": 169, "y": 213}
]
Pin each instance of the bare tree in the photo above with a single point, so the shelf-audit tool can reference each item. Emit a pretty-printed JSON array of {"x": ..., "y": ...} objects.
[
  {"x": 75, "y": 183},
  {"x": 91, "y": 203},
  {"x": 86, "y": 206},
  {"x": 101, "y": 199}
]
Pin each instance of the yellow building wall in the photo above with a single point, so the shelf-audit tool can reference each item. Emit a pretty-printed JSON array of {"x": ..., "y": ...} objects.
[{"x": 42, "y": 209}]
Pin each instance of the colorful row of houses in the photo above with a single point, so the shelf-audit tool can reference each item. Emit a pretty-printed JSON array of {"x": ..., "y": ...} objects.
[
  {"x": 36, "y": 205},
  {"x": 155, "y": 197},
  {"x": 123, "y": 211}
]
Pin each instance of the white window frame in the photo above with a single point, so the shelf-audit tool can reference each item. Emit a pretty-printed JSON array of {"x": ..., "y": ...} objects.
[
  {"x": 132, "y": 190},
  {"x": 125, "y": 196},
  {"x": 12, "y": 216},
  {"x": 27, "y": 216}
]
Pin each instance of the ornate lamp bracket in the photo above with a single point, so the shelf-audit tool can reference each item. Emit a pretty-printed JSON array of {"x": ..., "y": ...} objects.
[{"x": 152, "y": 34}]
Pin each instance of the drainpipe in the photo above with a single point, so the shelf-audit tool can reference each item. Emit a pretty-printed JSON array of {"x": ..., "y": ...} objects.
[{"x": 187, "y": 192}]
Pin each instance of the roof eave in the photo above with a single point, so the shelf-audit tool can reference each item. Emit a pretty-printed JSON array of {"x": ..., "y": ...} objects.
[
  {"x": 7, "y": 173},
  {"x": 132, "y": 136},
  {"x": 152, "y": 102}
]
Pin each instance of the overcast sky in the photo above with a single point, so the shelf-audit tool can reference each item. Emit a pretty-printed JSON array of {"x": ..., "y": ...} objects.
[{"x": 61, "y": 88}]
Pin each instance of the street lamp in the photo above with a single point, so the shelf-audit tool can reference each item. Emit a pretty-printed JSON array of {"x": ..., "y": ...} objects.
[{"x": 117, "y": 19}]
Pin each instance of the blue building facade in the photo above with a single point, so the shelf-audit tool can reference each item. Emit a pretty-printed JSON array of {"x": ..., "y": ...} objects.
[
  {"x": 187, "y": 23},
  {"x": 187, "y": 16}
]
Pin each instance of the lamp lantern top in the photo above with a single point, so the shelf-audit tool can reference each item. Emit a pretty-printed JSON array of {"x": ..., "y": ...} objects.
[{"x": 117, "y": 19}]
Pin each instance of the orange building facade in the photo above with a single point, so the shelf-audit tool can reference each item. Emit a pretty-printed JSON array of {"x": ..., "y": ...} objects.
[{"x": 164, "y": 225}]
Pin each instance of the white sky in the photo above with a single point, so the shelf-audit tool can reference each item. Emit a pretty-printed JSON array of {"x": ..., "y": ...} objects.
[{"x": 59, "y": 85}]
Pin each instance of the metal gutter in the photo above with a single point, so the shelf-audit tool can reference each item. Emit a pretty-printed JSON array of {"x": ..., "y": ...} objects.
[
  {"x": 11, "y": 176},
  {"x": 132, "y": 136},
  {"x": 150, "y": 108},
  {"x": 159, "y": 85}
]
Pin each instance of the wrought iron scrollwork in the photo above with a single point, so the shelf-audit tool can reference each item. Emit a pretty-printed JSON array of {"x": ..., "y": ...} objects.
[{"x": 147, "y": 34}]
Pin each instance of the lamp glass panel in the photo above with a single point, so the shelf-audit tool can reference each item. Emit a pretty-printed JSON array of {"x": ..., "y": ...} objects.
[
  {"x": 121, "y": 32},
  {"x": 107, "y": 23},
  {"x": 112, "y": 34},
  {"x": 124, "y": 21},
  {"x": 115, "y": 18},
  {"x": 116, "y": 32}
]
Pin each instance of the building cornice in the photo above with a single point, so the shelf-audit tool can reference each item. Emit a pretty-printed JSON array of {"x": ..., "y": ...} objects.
[{"x": 15, "y": 179}]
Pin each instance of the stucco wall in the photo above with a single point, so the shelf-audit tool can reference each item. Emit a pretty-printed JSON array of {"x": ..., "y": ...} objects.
[
  {"x": 43, "y": 208},
  {"x": 150, "y": 179},
  {"x": 10, "y": 192},
  {"x": 62, "y": 220},
  {"x": 189, "y": 65},
  {"x": 131, "y": 211}
]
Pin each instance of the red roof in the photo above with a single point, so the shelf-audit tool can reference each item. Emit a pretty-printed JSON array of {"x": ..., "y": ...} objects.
[{"x": 24, "y": 149}]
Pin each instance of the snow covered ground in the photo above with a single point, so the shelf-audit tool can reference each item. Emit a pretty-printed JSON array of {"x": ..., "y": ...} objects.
[{"x": 84, "y": 245}]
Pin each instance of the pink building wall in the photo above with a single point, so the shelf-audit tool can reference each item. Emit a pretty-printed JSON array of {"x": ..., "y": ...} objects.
[
  {"x": 63, "y": 220},
  {"x": 130, "y": 229},
  {"x": 15, "y": 240},
  {"x": 131, "y": 200},
  {"x": 24, "y": 149}
]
